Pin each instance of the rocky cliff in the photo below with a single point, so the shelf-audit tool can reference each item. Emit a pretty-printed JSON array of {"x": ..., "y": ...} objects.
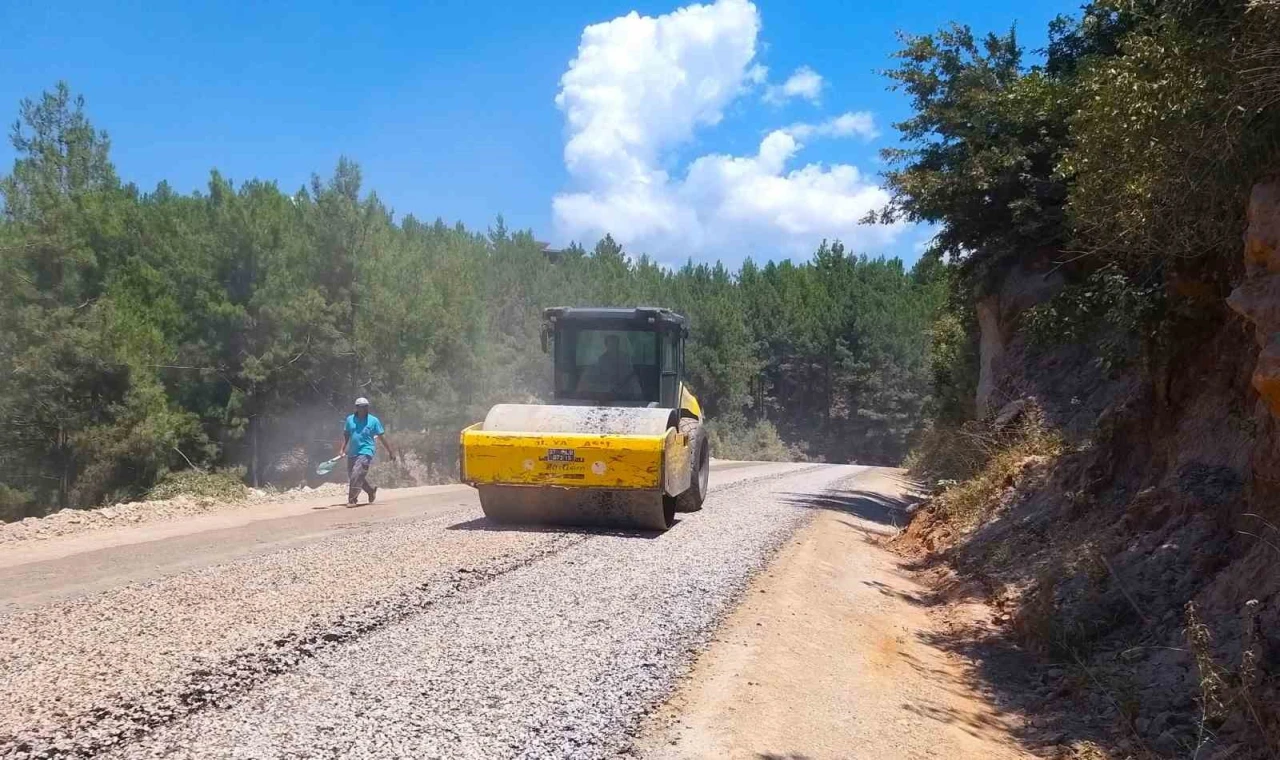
[{"x": 1143, "y": 565}]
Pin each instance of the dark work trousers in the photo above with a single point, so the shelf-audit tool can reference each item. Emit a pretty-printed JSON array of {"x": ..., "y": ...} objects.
[{"x": 358, "y": 476}]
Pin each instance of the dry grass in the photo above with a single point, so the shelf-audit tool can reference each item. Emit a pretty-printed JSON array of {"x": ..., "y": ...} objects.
[
  {"x": 1224, "y": 691},
  {"x": 946, "y": 454},
  {"x": 1088, "y": 751},
  {"x": 1008, "y": 455}
]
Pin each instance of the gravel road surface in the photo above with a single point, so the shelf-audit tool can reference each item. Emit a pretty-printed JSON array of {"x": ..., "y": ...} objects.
[{"x": 412, "y": 628}]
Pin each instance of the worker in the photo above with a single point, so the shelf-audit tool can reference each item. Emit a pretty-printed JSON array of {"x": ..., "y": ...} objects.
[
  {"x": 360, "y": 438},
  {"x": 612, "y": 373}
]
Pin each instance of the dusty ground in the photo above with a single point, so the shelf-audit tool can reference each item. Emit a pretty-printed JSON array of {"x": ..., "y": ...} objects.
[{"x": 827, "y": 657}]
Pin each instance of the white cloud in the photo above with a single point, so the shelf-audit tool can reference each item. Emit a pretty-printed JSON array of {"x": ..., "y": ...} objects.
[
  {"x": 804, "y": 82},
  {"x": 641, "y": 86},
  {"x": 859, "y": 123},
  {"x": 755, "y": 199}
]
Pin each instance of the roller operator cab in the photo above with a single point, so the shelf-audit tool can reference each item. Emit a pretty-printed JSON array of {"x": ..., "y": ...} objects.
[{"x": 622, "y": 445}]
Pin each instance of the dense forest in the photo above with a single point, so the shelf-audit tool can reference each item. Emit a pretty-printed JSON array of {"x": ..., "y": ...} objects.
[{"x": 146, "y": 333}]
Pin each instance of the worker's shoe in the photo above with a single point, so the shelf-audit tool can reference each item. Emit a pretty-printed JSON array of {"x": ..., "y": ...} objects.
[{"x": 373, "y": 494}]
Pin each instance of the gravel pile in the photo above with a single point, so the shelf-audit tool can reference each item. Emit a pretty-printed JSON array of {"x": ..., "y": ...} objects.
[
  {"x": 67, "y": 522},
  {"x": 557, "y": 658}
]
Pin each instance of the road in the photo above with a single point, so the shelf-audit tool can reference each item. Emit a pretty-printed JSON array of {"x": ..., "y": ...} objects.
[
  {"x": 412, "y": 627},
  {"x": 37, "y": 572}
]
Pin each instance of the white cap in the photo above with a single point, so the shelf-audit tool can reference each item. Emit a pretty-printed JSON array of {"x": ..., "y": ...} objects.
[{"x": 362, "y": 401}]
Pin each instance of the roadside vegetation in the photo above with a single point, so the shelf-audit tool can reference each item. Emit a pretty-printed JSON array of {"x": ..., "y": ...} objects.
[
  {"x": 735, "y": 438},
  {"x": 1122, "y": 159},
  {"x": 973, "y": 467}
]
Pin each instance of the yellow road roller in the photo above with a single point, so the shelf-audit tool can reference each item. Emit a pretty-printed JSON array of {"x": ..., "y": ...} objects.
[{"x": 621, "y": 446}]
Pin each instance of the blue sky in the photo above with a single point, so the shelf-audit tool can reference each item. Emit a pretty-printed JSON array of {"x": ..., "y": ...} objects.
[{"x": 451, "y": 107}]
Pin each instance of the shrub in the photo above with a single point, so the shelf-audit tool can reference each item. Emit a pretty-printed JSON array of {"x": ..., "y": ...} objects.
[
  {"x": 945, "y": 453},
  {"x": 974, "y": 463},
  {"x": 1007, "y": 454},
  {"x": 222, "y": 485},
  {"x": 13, "y": 503},
  {"x": 1110, "y": 310},
  {"x": 733, "y": 438}
]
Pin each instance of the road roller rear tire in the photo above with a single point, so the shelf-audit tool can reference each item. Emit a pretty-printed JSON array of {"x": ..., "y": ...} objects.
[{"x": 699, "y": 480}]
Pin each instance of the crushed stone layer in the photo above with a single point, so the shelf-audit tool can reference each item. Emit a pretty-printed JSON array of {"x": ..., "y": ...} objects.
[
  {"x": 82, "y": 676},
  {"x": 62, "y": 662},
  {"x": 560, "y": 658}
]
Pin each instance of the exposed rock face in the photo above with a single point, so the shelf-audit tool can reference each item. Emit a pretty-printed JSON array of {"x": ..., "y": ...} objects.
[
  {"x": 990, "y": 350},
  {"x": 1258, "y": 297},
  {"x": 1024, "y": 287}
]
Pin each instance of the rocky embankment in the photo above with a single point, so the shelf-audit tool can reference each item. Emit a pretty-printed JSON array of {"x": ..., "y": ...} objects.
[{"x": 1137, "y": 575}]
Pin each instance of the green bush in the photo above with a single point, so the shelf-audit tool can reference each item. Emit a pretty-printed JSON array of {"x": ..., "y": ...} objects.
[
  {"x": 953, "y": 364},
  {"x": 734, "y": 438},
  {"x": 222, "y": 485},
  {"x": 1110, "y": 310},
  {"x": 13, "y": 503}
]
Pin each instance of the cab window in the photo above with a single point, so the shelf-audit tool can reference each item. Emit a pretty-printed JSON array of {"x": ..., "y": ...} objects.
[{"x": 607, "y": 365}]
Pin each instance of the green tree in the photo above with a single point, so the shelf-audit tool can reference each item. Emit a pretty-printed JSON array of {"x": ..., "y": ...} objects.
[{"x": 984, "y": 143}]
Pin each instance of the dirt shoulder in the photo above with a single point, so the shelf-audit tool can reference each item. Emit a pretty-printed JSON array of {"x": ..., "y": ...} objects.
[
  {"x": 828, "y": 656},
  {"x": 72, "y": 532}
]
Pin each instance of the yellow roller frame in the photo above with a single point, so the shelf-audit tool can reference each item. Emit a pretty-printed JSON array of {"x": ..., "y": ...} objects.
[{"x": 565, "y": 459}]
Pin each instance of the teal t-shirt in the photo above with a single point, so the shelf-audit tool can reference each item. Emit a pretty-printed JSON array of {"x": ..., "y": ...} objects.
[{"x": 362, "y": 433}]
